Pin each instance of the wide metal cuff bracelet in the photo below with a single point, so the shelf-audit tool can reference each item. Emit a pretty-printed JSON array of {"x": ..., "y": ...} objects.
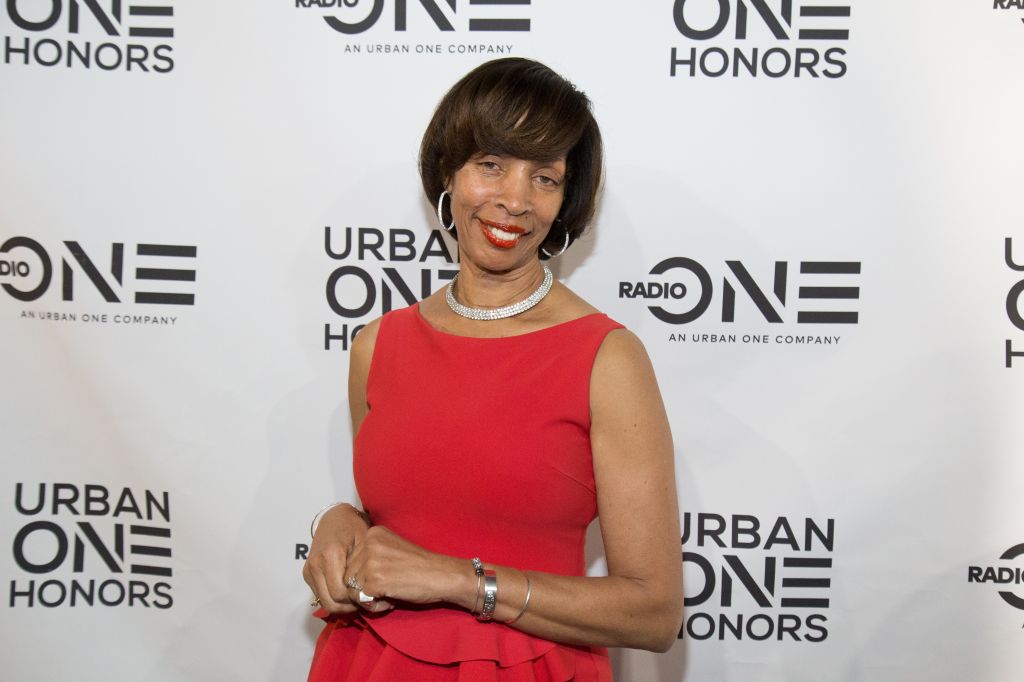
[{"x": 490, "y": 596}]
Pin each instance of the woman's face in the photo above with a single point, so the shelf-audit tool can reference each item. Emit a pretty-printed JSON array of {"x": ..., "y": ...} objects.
[{"x": 504, "y": 208}]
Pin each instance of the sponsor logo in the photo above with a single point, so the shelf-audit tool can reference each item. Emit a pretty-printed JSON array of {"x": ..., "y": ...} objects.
[
  {"x": 377, "y": 270},
  {"x": 438, "y": 28},
  {"x": 90, "y": 34},
  {"x": 1007, "y": 577},
  {"x": 91, "y": 546},
  {"x": 760, "y": 38},
  {"x": 681, "y": 291},
  {"x": 1008, "y": 4},
  {"x": 159, "y": 275},
  {"x": 1013, "y": 305},
  {"x": 754, "y": 578}
]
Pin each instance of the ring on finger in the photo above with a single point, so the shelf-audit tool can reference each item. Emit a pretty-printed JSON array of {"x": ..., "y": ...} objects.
[
  {"x": 365, "y": 598},
  {"x": 316, "y": 601},
  {"x": 354, "y": 583}
]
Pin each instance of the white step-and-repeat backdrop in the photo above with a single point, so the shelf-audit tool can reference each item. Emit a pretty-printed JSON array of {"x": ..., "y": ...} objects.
[{"x": 812, "y": 217}]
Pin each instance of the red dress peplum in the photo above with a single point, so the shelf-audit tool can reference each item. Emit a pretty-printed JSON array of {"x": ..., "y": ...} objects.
[{"x": 473, "y": 447}]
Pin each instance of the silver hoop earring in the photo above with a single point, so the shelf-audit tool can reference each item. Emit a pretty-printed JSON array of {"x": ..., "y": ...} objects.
[
  {"x": 440, "y": 216},
  {"x": 564, "y": 247}
]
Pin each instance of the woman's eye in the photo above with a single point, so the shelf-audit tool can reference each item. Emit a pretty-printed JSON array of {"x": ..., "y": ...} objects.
[
  {"x": 547, "y": 180},
  {"x": 489, "y": 165}
]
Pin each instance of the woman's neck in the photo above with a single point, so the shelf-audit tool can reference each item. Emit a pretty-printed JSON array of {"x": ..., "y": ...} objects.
[{"x": 480, "y": 288}]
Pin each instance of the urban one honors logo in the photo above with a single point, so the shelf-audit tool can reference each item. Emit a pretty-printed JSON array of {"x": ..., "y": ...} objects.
[
  {"x": 1006, "y": 576},
  {"x": 90, "y": 545},
  {"x": 380, "y": 270},
  {"x": 28, "y": 274},
  {"x": 426, "y": 19},
  {"x": 682, "y": 290},
  {"x": 756, "y": 579},
  {"x": 106, "y": 35},
  {"x": 1013, "y": 306},
  {"x": 754, "y": 38}
]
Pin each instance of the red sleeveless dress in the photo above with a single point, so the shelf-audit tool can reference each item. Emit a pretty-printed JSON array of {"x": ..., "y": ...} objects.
[{"x": 473, "y": 447}]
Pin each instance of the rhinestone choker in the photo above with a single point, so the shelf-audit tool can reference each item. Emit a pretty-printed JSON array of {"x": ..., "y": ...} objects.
[{"x": 504, "y": 311}]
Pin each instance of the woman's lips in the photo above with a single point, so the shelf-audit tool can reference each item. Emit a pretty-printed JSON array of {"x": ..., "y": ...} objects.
[{"x": 500, "y": 234}]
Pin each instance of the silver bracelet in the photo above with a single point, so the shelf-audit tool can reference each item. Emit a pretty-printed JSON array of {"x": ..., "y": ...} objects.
[
  {"x": 316, "y": 519},
  {"x": 478, "y": 568},
  {"x": 526, "y": 602},
  {"x": 490, "y": 596}
]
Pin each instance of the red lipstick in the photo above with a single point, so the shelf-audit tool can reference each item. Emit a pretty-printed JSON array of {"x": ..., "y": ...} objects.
[{"x": 498, "y": 239}]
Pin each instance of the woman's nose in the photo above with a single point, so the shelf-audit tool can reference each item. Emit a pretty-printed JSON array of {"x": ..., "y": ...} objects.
[{"x": 515, "y": 194}]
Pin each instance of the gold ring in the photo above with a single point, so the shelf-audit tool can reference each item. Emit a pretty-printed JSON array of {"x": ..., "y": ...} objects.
[{"x": 315, "y": 602}]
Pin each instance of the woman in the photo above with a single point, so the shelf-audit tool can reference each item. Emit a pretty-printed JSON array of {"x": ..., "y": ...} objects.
[{"x": 494, "y": 419}]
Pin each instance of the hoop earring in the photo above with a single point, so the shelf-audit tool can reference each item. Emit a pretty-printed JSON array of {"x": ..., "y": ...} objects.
[
  {"x": 440, "y": 217},
  {"x": 564, "y": 247}
]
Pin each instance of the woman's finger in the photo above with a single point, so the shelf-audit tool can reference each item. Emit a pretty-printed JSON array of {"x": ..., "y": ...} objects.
[
  {"x": 359, "y": 592},
  {"x": 379, "y": 606},
  {"x": 334, "y": 580},
  {"x": 353, "y": 583},
  {"x": 332, "y": 599}
]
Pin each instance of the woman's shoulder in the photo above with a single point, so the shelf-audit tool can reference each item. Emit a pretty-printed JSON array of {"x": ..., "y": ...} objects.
[
  {"x": 572, "y": 306},
  {"x": 620, "y": 349},
  {"x": 363, "y": 343},
  {"x": 568, "y": 305},
  {"x": 365, "y": 338}
]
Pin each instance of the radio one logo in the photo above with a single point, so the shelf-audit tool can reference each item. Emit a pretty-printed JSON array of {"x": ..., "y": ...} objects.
[
  {"x": 1008, "y": 578},
  {"x": 756, "y": 579},
  {"x": 682, "y": 291},
  {"x": 90, "y": 545},
  {"x": 1008, "y": 4},
  {"x": 1013, "y": 304},
  {"x": 29, "y": 273},
  {"x": 428, "y": 18},
  {"x": 754, "y": 38},
  {"x": 378, "y": 270},
  {"x": 88, "y": 34}
]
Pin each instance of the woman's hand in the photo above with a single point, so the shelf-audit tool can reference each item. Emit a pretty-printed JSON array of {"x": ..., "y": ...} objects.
[
  {"x": 389, "y": 567},
  {"x": 339, "y": 531}
]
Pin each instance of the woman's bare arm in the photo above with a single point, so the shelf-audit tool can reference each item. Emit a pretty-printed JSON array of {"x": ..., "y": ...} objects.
[{"x": 343, "y": 526}]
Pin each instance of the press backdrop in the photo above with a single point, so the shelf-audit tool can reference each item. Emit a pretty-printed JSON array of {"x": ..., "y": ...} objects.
[{"x": 812, "y": 217}]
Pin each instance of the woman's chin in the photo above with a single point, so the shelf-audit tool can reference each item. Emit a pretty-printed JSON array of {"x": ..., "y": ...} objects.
[{"x": 499, "y": 260}]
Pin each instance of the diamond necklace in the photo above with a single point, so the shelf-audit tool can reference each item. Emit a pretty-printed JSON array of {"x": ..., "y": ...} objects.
[{"x": 504, "y": 311}]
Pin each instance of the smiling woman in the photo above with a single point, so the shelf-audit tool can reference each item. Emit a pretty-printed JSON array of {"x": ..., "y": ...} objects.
[
  {"x": 494, "y": 420},
  {"x": 515, "y": 109},
  {"x": 489, "y": 199}
]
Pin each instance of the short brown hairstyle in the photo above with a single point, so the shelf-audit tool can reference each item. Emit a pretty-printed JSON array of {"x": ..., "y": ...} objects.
[{"x": 517, "y": 107}]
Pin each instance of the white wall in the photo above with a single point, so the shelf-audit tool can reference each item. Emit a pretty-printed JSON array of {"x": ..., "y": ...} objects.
[{"x": 256, "y": 127}]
